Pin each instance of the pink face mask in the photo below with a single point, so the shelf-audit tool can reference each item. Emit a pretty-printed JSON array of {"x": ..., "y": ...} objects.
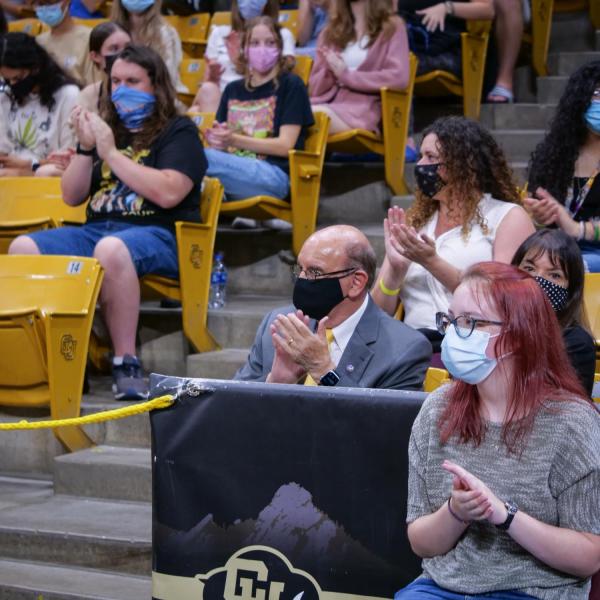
[{"x": 262, "y": 58}]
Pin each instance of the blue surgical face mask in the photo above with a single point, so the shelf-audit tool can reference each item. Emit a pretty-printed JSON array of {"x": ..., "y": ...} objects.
[
  {"x": 133, "y": 106},
  {"x": 137, "y": 6},
  {"x": 465, "y": 358},
  {"x": 592, "y": 117},
  {"x": 51, "y": 14},
  {"x": 251, "y": 8}
]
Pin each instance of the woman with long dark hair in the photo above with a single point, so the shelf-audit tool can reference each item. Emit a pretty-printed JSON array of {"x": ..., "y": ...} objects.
[
  {"x": 504, "y": 462},
  {"x": 34, "y": 110},
  {"x": 554, "y": 260},
  {"x": 466, "y": 211},
  {"x": 564, "y": 169},
  {"x": 142, "y": 166}
]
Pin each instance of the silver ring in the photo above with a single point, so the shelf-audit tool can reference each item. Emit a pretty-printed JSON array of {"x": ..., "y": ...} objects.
[{"x": 291, "y": 341}]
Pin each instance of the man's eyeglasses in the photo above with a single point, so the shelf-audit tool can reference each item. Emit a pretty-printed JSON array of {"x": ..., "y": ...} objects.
[
  {"x": 463, "y": 324},
  {"x": 314, "y": 274}
]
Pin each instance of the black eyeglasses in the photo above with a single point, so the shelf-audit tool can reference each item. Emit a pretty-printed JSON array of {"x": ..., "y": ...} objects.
[
  {"x": 313, "y": 274},
  {"x": 463, "y": 324}
]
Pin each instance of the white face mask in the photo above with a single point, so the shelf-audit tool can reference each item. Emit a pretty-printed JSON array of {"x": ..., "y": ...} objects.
[{"x": 465, "y": 358}]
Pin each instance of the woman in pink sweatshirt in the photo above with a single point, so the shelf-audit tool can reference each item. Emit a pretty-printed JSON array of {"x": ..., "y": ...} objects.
[{"x": 363, "y": 48}]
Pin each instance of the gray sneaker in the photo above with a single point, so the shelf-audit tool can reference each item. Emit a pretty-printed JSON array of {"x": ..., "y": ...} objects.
[{"x": 129, "y": 382}]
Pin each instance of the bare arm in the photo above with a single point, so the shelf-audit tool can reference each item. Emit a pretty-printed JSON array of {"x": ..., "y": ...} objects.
[
  {"x": 92, "y": 5},
  {"x": 306, "y": 21},
  {"x": 475, "y": 9},
  {"x": 77, "y": 180},
  {"x": 514, "y": 229},
  {"x": 220, "y": 137}
]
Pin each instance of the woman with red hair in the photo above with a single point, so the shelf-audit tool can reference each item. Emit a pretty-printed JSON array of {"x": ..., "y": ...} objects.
[{"x": 504, "y": 480}]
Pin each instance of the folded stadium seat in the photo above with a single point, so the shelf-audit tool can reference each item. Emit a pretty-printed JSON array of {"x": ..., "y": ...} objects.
[
  {"x": 391, "y": 144},
  {"x": 474, "y": 44},
  {"x": 434, "y": 378},
  {"x": 191, "y": 72},
  {"x": 33, "y": 203},
  {"x": 591, "y": 301},
  {"x": 289, "y": 20},
  {"x": 46, "y": 310},
  {"x": 306, "y": 170},
  {"x": 303, "y": 67},
  {"x": 221, "y": 17},
  {"x": 91, "y": 23},
  {"x": 193, "y": 32},
  {"x": 31, "y": 26},
  {"x": 195, "y": 244}
]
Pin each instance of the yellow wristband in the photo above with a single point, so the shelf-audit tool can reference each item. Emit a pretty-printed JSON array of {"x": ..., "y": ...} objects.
[{"x": 386, "y": 290}]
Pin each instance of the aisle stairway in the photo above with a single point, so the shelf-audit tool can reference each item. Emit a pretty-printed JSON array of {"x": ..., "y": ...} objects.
[{"x": 79, "y": 526}]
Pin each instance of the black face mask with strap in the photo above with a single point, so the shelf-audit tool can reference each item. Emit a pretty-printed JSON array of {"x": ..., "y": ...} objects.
[{"x": 317, "y": 297}]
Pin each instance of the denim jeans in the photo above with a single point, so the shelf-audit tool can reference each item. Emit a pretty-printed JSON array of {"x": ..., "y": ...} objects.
[
  {"x": 153, "y": 249},
  {"x": 591, "y": 256},
  {"x": 427, "y": 589},
  {"x": 243, "y": 177}
]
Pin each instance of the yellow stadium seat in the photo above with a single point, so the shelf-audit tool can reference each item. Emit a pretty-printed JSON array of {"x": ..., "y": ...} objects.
[
  {"x": 303, "y": 67},
  {"x": 195, "y": 243},
  {"x": 596, "y": 397},
  {"x": 193, "y": 31},
  {"x": 30, "y": 26},
  {"x": 46, "y": 310},
  {"x": 474, "y": 44},
  {"x": 91, "y": 23},
  {"x": 591, "y": 300},
  {"x": 395, "y": 114},
  {"x": 434, "y": 378},
  {"x": 33, "y": 203},
  {"x": 289, "y": 20},
  {"x": 306, "y": 169},
  {"x": 222, "y": 17},
  {"x": 191, "y": 72}
]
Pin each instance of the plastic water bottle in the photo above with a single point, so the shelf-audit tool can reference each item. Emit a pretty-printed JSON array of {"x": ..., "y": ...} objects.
[{"x": 218, "y": 283}]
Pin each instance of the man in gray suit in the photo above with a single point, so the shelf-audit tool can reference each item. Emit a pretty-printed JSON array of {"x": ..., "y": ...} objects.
[{"x": 335, "y": 334}]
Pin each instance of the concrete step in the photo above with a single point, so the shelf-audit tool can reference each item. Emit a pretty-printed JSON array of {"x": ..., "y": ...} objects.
[
  {"x": 565, "y": 63},
  {"x": 66, "y": 530},
  {"x": 21, "y": 580},
  {"x": 518, "y": 144},
  {"x": 516, "y": 116},
  {"x": 571, "y": 32},
  {"x": 550, "y": 89},
  {"x": 111, "y": 472},
  {"x": 216, "y": 365}
]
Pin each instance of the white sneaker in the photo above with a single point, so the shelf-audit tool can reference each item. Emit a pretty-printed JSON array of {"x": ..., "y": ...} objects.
[
  {"x": 277, "y": 224},
  {"x": 244, "y": 223}
]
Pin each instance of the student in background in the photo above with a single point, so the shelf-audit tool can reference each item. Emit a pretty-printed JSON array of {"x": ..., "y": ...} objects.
[
  {"x": 362, "y": 48},
  {"x": 35, "y": 133},
  {"x": 222, "y": 54},
  {"x": 143, "y": 21},
  {"x": 66, "y": 41},
  {"x": 106, "y": 41},
  {"x": 312, "y": 18}
]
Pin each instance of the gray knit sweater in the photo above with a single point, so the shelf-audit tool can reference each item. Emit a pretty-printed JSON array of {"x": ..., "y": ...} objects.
[{"x": 556, "y": 480}]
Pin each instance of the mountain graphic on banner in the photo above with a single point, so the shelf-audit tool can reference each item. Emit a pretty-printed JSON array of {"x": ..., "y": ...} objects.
[{"x": 292, "y": 524}]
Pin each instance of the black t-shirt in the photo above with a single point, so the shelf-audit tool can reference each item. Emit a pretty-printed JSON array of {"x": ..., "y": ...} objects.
[
  {"x": 591, "y": 205},
  {"x": 178, "y": 148},
  {"x": 581, "y": 349},
  {"x": 261, "y": 111}
]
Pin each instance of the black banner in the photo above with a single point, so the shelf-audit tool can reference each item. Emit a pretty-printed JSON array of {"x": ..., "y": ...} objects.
[{"x": 275, "y": 492}]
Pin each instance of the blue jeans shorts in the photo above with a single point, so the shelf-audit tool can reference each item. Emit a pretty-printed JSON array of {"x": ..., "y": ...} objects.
[
  {"x": 153, "y": 249},
  {"x": 590, "y": 253},
  {"x": 427, "y": 589}
]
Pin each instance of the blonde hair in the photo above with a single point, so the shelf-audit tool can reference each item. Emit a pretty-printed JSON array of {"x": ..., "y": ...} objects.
[
  {"x": 339, "y": 31},
  {"x": 149, "y": 34}
]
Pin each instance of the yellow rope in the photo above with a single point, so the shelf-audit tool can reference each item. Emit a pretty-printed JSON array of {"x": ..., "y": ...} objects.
[{"x": 108, "y": 415}]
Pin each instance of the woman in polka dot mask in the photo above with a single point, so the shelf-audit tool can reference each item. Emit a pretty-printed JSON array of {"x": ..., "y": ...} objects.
[{"x": 554, "y": 259}]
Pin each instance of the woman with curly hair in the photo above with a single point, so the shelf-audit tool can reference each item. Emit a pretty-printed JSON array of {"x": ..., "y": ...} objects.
[
  {"x": 466, "y": 211},
  {"x": 362, "y": 48},
  {"x": 565, "y": 166}
]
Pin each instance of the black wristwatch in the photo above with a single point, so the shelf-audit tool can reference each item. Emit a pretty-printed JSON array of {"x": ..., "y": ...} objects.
[
  {"x": 330, "y": 378},
  {"x": 83, "y": 151},
  {"x": 511, "y": 509}
]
